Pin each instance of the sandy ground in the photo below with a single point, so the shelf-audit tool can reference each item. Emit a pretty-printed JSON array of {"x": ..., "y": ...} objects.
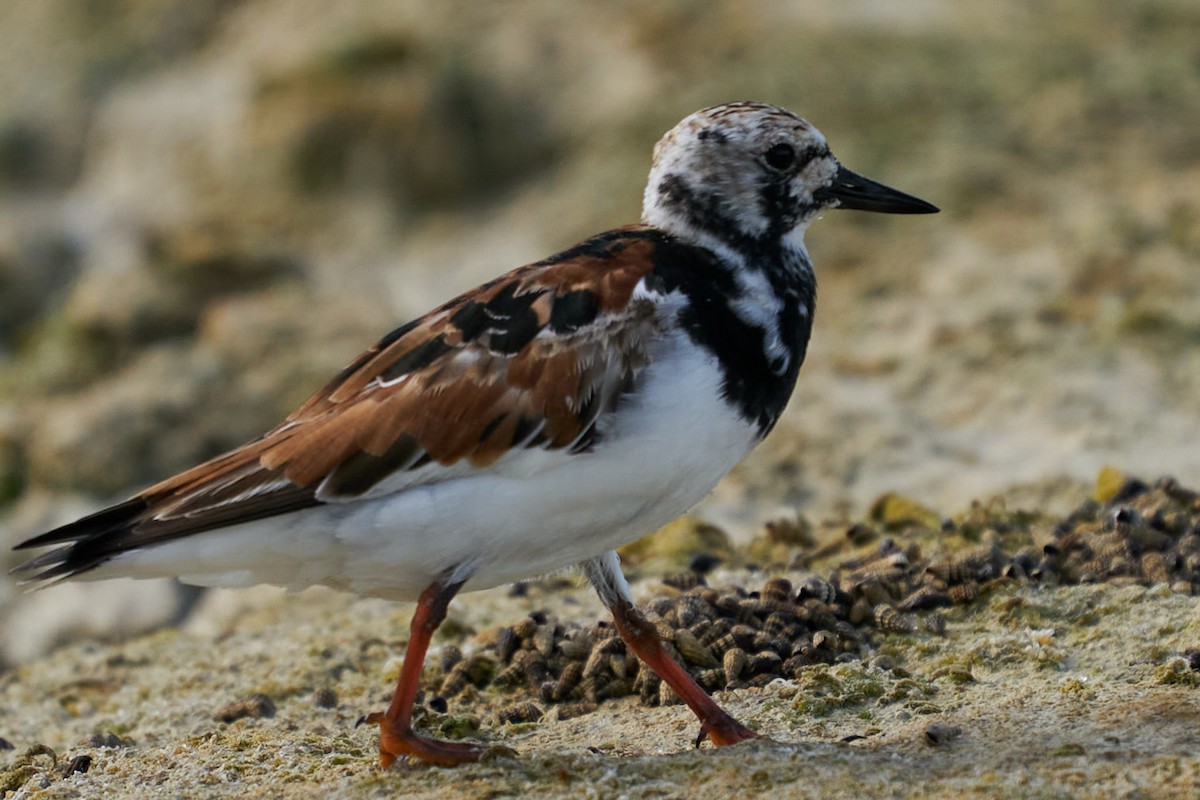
[{"x": 1078, "y": 691}]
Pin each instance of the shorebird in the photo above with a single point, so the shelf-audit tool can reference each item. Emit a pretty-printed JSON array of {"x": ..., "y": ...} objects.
[{"x": 540, "y": 420}]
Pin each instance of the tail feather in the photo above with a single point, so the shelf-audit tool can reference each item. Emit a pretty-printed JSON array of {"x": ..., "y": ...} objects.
[
  {"x": 84, "y": 542},
  {"x": 143, "y": 522}
]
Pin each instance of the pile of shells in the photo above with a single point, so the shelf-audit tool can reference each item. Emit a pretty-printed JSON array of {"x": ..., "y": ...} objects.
[
  {"x": 734, "y": 637},
  {"x": 726, "y": 639},
  {"x": 1144, "y": 535}
]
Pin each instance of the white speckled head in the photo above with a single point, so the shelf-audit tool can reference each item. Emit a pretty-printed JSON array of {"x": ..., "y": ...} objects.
[
  {"x": 747, "y": 172},
  {"x": 746, "y": 169}
]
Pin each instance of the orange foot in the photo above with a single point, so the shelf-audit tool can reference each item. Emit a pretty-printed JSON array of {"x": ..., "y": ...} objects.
[
  {"x": 724, "y": 730},
  {"x": 396, "y": 740}
]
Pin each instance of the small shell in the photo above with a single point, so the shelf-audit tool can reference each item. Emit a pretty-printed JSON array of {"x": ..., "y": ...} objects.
[
  {"x": 780, "y": 624},
  {"x": 963, "y": 592},
  {"x": 846, "y": 631},
  {"x": 685, "y": 581},
  {"x": 525, "y": 628},
  {"x": 693, "y": 650},
  {"x": 80, "y": 764},
  {"x": 592, "y": 685},
  {"x": 935, "y": 623},
  {"x": 573, "y": 710},
  {"x": 762, "y": 641},
  {"x": 1147, "y": 537},
  {"x": 877, "y": 591},
  {"x": 860, "y": 612},
  {"x": 597, "y": 660},
  {"x": 711, "y": 679},
  {"x": 533, "y": 663},
  {"x": 716, "y": 629},
  {"x": 763, "y": 607},
  {"x": 664, "y": 628},
  {"x": 724, "y": 644},
  {"x": 924, "y": 597},
  {"x": 512, "y": 675},
  {"x": 824, "y": 640},
  {"x": 888, "y": 618},
  {"x": 567, "y": 682},
  {"x": 731, "y": 607},
  {"x": 818, "y": 589},
  {"x": 577, "y": 647},
  {"x": 1157, "y": 567},
  {"x": 617, "y": 687},
  {"x": 766, "y": 661},
  {"x": 939, "y": 733},
  {"x": 777, "y": 590},
  {"x": 456, "y": 679},
  {"x": 691, "y": 609},
  {"x": 521, "y": 712},
  {"x": 791, "y": 667},
  {"x": 743, "y": 635},
  {"x": 618, "y": 665},
  {"x": 325, "y": 697},
  {"x": 256, "y": 705},
  {"x": 734, "y": 663},
  {"x": 448, "y": 657},
  {"x": 646, "y": 686},
  {"x": 822, "y": 620},
  {"x": 544, "y": 638},
  {"x": 884, "y": 570},
  {"x": 700, "y": 629},
  {"x": 507, "y": 643}
]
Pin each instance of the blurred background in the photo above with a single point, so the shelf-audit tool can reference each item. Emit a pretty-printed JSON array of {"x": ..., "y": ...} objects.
[{"x": 209, "y": 206}]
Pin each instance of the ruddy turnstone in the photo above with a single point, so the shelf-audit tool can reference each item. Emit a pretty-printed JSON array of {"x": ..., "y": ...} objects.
[{"x": 540, "y": 420}]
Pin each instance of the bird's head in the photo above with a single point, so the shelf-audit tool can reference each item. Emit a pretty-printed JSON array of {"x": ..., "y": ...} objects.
[{"x": 753, "y": 173}]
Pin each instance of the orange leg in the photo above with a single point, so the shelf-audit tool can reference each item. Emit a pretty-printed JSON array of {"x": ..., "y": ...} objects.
[
  {"x": 640, "y": 636},
  {"x": 396, "y": 736}
]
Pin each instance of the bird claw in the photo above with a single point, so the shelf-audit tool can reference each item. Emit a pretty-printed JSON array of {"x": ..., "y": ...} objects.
[
  {"x": 396, "y": 741},
  {"x": 724, "y": 731}
]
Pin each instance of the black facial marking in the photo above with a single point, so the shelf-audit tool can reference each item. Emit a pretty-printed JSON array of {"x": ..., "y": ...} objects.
[
  {"x": 702, "y": 209},
  {"x": 811, "y": 152},
  {"x": 780, "y": 207},
  {"x": 573, "y": 310},
  {"x": 419, "y": 357},
  {"x": 717, "y": 136}
]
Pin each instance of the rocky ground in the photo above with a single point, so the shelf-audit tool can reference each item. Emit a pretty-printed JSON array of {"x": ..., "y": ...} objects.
[
  {"x": 1029, "y": 685},
  {"x": 206, "y": 207}
]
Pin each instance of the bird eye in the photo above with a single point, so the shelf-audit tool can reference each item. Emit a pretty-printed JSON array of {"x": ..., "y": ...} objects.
[{"x": 781, "y": 156}]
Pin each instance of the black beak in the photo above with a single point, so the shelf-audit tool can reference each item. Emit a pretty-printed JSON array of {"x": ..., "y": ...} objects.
[{"x": 851, "y": 190}]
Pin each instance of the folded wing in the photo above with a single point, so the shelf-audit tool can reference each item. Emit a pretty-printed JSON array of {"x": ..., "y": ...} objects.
[{"x": 534, "y": 359}]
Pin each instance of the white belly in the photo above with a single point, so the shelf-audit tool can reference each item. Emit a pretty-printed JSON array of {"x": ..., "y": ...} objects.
[{"x": 533, "y": 512}]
